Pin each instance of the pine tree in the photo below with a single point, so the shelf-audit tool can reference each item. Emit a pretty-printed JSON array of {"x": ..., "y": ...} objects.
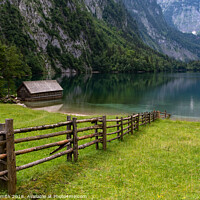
[{"x": 11, "y": 66}]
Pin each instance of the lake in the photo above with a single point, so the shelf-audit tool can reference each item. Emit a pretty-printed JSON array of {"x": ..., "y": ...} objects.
[{"x": 178, "y": 93}]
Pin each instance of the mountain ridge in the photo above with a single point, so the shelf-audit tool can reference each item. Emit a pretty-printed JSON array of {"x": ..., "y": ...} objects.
[
  {"x": 78, "y": 36},
  {"x": 183, "y": 15},
  {"x": 158, "y": 34}
]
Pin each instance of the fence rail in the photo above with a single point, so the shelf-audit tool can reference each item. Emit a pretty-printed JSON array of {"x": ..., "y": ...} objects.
[{"x": 118, "y": 128}]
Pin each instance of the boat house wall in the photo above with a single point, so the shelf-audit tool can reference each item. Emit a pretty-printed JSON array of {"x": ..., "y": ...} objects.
[{"x": 39, "y": 91}]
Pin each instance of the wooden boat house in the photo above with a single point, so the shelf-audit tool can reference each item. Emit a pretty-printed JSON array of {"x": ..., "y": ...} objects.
[{"x": 39, "y": 90}]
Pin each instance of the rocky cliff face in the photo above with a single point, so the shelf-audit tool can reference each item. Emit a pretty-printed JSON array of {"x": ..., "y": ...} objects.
[
  {"x": 60, "y": 35},
  {"x": 47, "y": 25},
  {"x": 155, "y": 31},
  {"x": 184, "y": 14},
  {"x": 96, "y": 7},
  {"x": 85, "y": 35}
]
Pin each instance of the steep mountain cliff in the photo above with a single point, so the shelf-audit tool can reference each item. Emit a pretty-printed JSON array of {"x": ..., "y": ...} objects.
[
  {"x": 49, "y": 33},
  {"x": 66, "y": 35},
  {"x": 158, "y": 34},
  {"x": 86, "y": 35},
  {"x": 184, "y": 15}
]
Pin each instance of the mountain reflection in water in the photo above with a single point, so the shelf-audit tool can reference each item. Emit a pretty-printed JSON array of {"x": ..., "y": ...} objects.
[{"x": 178, "y": 93}]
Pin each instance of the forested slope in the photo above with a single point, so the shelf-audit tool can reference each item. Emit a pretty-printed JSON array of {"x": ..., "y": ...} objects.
[{"x": 81, "y": 36}]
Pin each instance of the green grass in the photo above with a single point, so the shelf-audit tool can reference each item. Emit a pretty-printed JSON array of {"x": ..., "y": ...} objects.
[{"x": 161, "y": 161}]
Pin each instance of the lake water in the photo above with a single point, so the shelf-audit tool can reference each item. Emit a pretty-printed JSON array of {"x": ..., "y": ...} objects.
[{"x": 178, "y": 93}]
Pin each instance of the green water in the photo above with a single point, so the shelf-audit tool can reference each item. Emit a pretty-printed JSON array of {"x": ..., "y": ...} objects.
[{"x": 178, "y": 93}]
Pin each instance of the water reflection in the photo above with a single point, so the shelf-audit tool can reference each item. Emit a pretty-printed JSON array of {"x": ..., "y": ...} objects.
[{"x": 177, "y": 93}]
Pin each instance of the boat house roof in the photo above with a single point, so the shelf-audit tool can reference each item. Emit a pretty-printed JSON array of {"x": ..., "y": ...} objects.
[{"x": 35, "y": 87}]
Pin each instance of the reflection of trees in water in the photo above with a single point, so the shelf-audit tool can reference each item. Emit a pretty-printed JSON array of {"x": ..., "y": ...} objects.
[
  {"x": 178, "y": 93},
  {"x": 75, "y": 88},
  {"x": 180, "y": 96},
  {"x": 176, "y": 88},
  {"x": 110, "y": 88}
]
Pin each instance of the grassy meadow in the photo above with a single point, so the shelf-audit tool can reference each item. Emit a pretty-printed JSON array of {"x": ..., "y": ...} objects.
[{"x": 161, "y": 161}]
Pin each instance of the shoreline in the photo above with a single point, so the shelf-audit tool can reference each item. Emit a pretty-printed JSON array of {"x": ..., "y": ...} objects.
[
  {"x": 173, "y": 118},
  {"x": 75, "y": 114},
  {"x": 66, "y": 113}
]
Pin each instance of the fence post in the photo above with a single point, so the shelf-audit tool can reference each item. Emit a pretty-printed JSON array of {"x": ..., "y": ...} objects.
[
  {"x": 138, "y": 121},
  {"x": 134, "y": 120},
  {"x": 159, "y": 114},
  {"x": 96, "y": 132},
  {"x": 75, "y": 140},
  {"x": 165, "y": 114},
  {"x": 153, "y": 115},
  {"x": 122, "y": 129},
  {"x": 69, "y": 155},
  {"x": 145, "y": 118},
  {"x": 131, "y": 124},
  {"x": 3, "y": 166},
  {"x": 118, "y": 127},
  {"x": 11, "y": 158},
  {"x": 142, "y": 117},
  {"x": 149, "y": 117},
  {"x": 104, "y": 132}
]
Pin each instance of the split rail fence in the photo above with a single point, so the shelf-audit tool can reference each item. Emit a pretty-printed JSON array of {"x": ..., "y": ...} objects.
[{"x": 100, "y": 126}]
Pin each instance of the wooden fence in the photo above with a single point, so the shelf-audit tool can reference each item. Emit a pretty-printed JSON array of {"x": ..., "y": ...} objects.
[{"x": 100, "y": 126}]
